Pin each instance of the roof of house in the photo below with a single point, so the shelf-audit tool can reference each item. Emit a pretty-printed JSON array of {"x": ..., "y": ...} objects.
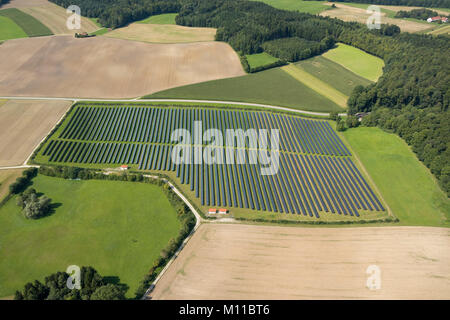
[{"x": 124, "y": 166}]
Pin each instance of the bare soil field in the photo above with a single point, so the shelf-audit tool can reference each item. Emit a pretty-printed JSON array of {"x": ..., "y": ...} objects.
[
  {"x": 348, "y": 13},
  {"x": 236, "y": 261},
  {"x": 163, "y": 33},
  {"x": 50, "y": 14},
  {"x": 100, "y": 67},
  {"x": 24, "y": 123}
]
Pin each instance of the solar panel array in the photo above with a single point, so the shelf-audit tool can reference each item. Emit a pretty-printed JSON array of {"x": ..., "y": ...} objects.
[{"x": 316, "y": 173}]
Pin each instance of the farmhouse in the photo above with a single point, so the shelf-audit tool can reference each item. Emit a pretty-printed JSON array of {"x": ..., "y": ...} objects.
[{"x": 437, "y": 18}]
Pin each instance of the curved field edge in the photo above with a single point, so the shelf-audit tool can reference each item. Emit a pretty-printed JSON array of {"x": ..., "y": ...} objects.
[
  {"x": 406, "y": 184},
  {"x": 272, "y": 87},
  {"x": 117, "y": 227}
]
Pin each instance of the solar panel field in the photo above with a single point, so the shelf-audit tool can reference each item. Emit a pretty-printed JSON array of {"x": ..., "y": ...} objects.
[{"x": 317, "y": 175}]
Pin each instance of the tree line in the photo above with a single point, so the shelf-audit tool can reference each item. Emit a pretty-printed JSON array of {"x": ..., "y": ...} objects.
[
  {"x": 417, "y": 3},
  {"x": 118, "y": 13}
]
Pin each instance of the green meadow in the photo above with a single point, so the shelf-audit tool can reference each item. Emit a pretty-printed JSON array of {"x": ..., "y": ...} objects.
[
  {"x": 407, "y": 186},
  {"x": 117, "y": 227},
  {"x": 10, "y": 30},
  {"x": 357, "y": 61}
]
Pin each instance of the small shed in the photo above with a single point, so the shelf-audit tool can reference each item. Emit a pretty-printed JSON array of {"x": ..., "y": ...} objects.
[
  {"x": 223, "y": 211},
  {"x": 124, "y": 167},
  {"x": 212, "y": 211}
]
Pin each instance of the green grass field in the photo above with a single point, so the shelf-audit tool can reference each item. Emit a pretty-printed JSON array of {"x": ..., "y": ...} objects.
[
  {"x": 119, "y": 228},
  {"x": 100, "y": 32},
  {"x": 323, "y": 88},
  {"x": 30, "y": 25},
  {"x": 406, "y": 184},
  {"x": 357, "y": 61},
  {"x": 274, "y": 87},
  {"x": 10, "y": 30},
  {"x": 260, "y": 59},
  {"x": 333, "y": 74},
  {"x": 167, "y": 18},
  {"x": 313, "y": 7}
]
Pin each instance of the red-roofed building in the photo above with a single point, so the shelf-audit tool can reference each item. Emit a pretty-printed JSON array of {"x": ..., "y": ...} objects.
[
  {"x": 124, "y": 167},
  {"x": 437, "y": 18},
  {"x": 223, "y": 211},
  {"x": 212, "y": 211}
]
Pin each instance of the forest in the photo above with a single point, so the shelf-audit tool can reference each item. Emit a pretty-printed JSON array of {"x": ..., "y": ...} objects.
[
  {"x": 411, "y": 98},
  {"x": 416, "y": 3}
]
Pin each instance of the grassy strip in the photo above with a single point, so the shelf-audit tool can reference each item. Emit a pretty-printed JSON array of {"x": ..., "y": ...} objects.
[
  {"x": 357, "y": 61},
  {"x": 167, "y": 18},
  {"x": 298, "y": 73},
  {"x": 29, "y": 24},
  {"x": 9, "y": 29},
  {"x": 273, "y": 87},
  {"x": 333, "y": 74}
]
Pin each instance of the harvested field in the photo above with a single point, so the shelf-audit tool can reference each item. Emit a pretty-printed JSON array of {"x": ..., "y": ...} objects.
[
  {"x": 51, "y": 15},
  {"x": 349, "y": 13},
  {"x": 225, "y": 261},
  {"x": 159, "y": 33},
  {"x": 24, "y": 124},
  {"x": 101, "y": 67}
]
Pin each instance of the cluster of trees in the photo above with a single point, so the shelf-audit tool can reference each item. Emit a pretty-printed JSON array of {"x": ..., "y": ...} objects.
[
  {"x": 421, "y": 14},
  {"x": 93, "y": 287},
  {"x": 294, "y": 49},
  {"x": 33, "y": 206},
  {"x": 417, "y": 3},
  {"x": 117, "y": 13},
  {"x": 22, "y": 182}
]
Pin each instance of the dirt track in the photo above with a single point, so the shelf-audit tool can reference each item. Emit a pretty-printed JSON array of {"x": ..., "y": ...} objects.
[
  {"x": 99, "y": 67},
  {"x": 23, "y": 125},
  {"x": 50, "y": 14},
  {"x": 224, "y": 261}
]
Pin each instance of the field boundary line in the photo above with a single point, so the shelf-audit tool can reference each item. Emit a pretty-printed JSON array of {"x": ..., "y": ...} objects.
[{"x": 323, "y": 114}]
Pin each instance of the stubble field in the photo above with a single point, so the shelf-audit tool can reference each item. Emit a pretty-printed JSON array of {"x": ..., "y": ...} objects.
[
  {"x": 100, "y": 67},
  {"x": 226, "y": 261},
  {"x": 24, "y": 124}
]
